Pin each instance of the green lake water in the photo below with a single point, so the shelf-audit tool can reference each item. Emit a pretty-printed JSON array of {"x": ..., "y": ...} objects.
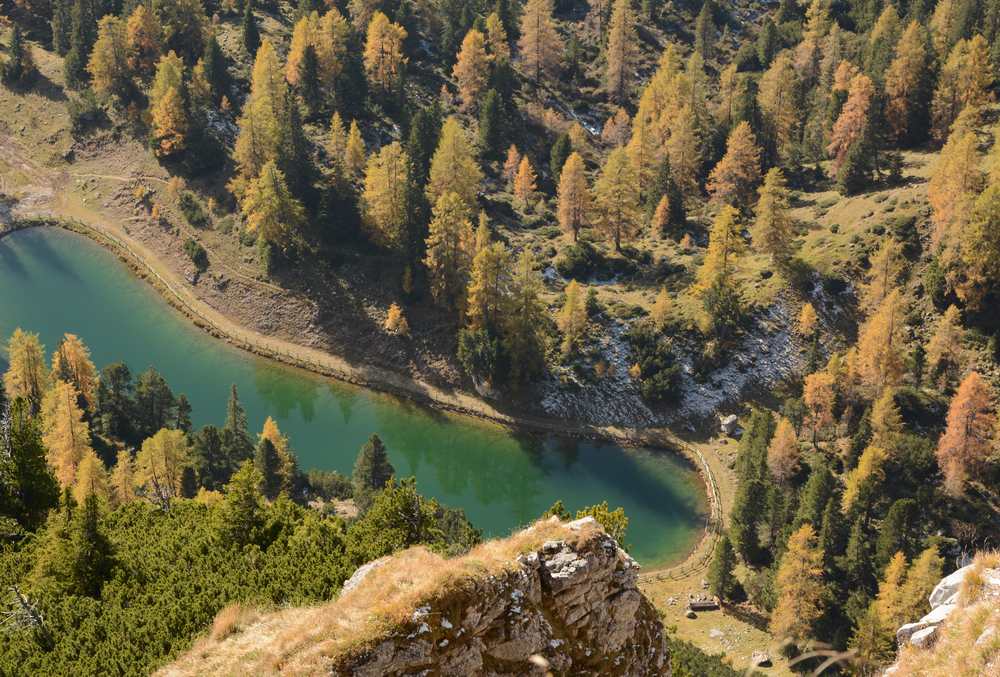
[{"x": 53, "y": 281}]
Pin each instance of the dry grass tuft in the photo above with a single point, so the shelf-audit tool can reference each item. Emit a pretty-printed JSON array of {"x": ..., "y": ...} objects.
[
  {"x": 232, "y": 619},
  {"x": 972, "y": 585}
]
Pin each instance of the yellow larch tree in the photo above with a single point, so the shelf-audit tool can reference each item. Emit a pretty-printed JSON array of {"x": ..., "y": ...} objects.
[
  {"x": 170, "y": 119},
  {"x": 662, "y": 310},
  {"x": 684, "y": 148},
  {"x": 355, "y": 154},
  {"x": 622, "y": 50},
  {"x": 572, "y": 319},
  {"x": 497, "y": 42},
  {"x": 819, "y": 395},
  {"x": 108, "y": 63},
  {"x": 122, "y": 482},
  {"x": 524, "y": 321},
  {"x": 889, "y": 601},
  {"x": 27, "y": 375},
  {"x": 525, "y": 183},
  {"x": 783, "y": 453},
  {"x": 489, "y": 284},
  {"x": 384, "y": 201},
  {"x": 91, "y": 479},
  {"x": 65, "y": 434},
  {"x": 259, "y": 140},
  {"x": 883, "y": 274},
  {"x": 880, "y": 345},
  {"x": 921, "y": 579},
  {"x": 270, "y": 209},
  {"x": 904, "y": 81},
  {"x": 288, "y": 468},
  {"x": 328, "y": 36},
  {"x": 735, "y": 178},
  {"x": 574, "y": 196},
  {"x": 540, "y": 46},
  {"x": 725, "y": 245},
  {"x": 450, "y": 248},
  {"x": 384, "y": 58},
  {"x": 160, "y": 464},
  {"x": 511, "y": 164},
  {"x": 454, "y": 167},
  {"x": 808, "y": 321},
  {"x": 777, "y": 98},
  {"x": 71, "y": 363},
  {"x": 772, "y": 232},
  {"x": 945, "y": 352},
  {"x": 964, "y": 83},
  {"x": 616, "y": 198},
  {"x": 471, "y": 69},
  {"x": 886, "y": 421},
  {"x": 967, "y": 441},
  {"x": 809, "y": 51},
  {"x": 801, "y": 591},
  {"x": 870, "y": 468},
  {"x": 336, "y": 148},
  {"x": 143, "y": 41},
  {"x": 853, "y": 119},
  {"x": 956, "y": 180}
]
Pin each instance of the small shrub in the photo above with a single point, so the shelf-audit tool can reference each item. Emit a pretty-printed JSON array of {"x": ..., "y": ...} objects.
[
  {"x": 656, "y": 368},
  {"x": 578, "y": 261},
  {"x": 225, "y": 225},
  {"x": 329, "y": 484},
  {"x": 193, "y": 211},
  {"x": 197, "y": 254},
  {"x": 85, "y": 113}
]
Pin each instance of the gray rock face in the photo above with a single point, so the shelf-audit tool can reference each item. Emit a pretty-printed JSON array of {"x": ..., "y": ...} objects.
[{"x": 564, "y": 609}]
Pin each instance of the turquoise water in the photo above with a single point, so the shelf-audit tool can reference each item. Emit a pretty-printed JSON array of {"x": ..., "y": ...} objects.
[{"x": 53, "y": 281}]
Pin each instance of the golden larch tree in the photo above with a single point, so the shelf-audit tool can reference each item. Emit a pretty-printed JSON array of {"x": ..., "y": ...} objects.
[
  {"x": 336, "y": 147},
  {"x": 880, "y": 345},
  {"x": 808, "y": 322},
  {"x": 967, "y": 441},
  {"x": 889, "y": 601},
  {"x": 27, "y": 375},
  {"x": 904, "y": 81},
  {"x": 819, "y": 395},
  {"x": 91, "y": 479},
  {"x": 387, "y": 184},
  {"x": 355, "y": 154},
  {"x": 450, "y": 248},
  {"x": 288, "y": 468},
  {"x": 921, "y": 579},
  {"x": 525, "y": 183},
  {"x": 622, "y": 50},
  {"x": 616, "y": 198},
  {"x": 886, "y": 420},
  {"x": 143, "y": 41},
  {"x": 980, "y": 249},
  {"x": 777, "y": 97},
  {"x": 772, "y": 232},
  {"x": 870, "y": 468},
  {"x": 540, "y": 46},
  {"x": 497, "y": 42},
  {"x": 108, "y": 63},
  {"x": 853, "y": 120},
  {"x": 71, "y": 363},
  {"x": 572, "y": 318},
  {"x": 454, "y": 167},
  {"x": 489, "y": 284},
  {"x": 511, "y": 164},
  {"x": 964, "y": 83},
  {"x": 122, "y": 482},
  {"x": 160, "y": 464},
  {"x": 801, "y": 591},
  {"x": 783, "y": 453},
  {"x": 945, "y": 352},
  {"x": 725, "y": 245},
  {"x": 524, "y": 325},
  {"x": 259, "y": 140},
  {"x": 883, "y": 274},
  {"x": 956, "y": 180},
  {"x": 735, "y": 178},
  {"x": 384, "y": 58},
  {"x": 65, "y": 434},
  {"x": 574, "y": 196},
  {"x": 663, "y": 308},
  {"x": 170, "y": 120},
  {"x": 270, "y": 209},
  {"x": 471, "y": 69}
]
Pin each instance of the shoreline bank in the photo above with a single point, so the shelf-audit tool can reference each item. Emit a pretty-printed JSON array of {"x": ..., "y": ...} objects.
[{"x": 145, "y": 266}]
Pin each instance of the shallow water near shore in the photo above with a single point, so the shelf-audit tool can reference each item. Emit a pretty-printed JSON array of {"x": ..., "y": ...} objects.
[{"x": 53, "y": 281}]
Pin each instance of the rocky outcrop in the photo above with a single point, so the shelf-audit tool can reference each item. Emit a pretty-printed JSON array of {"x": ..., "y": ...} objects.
[
  {"x": 960, "y": 634},
  {"x": 565, "y": 602}
]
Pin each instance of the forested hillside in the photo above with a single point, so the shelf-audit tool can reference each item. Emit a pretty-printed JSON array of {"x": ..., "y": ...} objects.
[{"x": 629, "y": 213}]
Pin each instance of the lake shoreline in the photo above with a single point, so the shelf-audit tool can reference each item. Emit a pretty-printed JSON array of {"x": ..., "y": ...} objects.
[{"x": 378, "y": 379}]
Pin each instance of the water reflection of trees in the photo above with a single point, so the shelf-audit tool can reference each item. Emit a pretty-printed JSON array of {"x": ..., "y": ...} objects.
[{"x": 283, "y": 391}]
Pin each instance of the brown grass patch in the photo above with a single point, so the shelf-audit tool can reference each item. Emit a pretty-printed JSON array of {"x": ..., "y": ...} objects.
[{"x": 232, "y": 619}]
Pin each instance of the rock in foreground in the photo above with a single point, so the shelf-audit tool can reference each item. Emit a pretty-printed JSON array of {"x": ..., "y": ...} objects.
[{"x": 558, "y": 598}]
